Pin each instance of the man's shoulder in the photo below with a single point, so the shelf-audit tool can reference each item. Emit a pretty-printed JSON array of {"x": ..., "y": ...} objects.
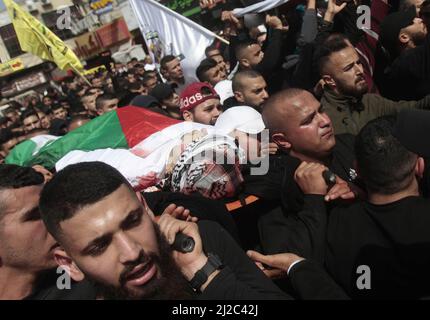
[
  {"x": 348, "y": 211},
  {"x": 345, "y": 139}
]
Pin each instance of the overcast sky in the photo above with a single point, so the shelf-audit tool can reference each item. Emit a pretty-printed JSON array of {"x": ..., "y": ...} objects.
[{"x": 1, "y": 5}]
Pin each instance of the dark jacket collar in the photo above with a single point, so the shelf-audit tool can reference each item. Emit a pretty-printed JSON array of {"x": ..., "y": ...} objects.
[{"x": 343, "y": 102}]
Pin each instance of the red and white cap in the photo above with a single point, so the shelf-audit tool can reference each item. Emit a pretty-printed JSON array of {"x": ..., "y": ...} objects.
[{"x": 195, "y": 94}]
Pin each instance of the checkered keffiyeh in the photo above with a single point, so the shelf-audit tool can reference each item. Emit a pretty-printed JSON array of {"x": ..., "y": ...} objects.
[{"x": 209, "y": 166}]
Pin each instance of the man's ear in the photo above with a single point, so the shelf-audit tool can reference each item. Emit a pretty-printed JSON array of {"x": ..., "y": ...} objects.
[
  {"x": 404, "y": 37},
  {"x": 245, "y": 63},
  {"x": 239, "y": 96},
  {"x": 188, "y": 116},
  {"x": 281, "y": 141},
  {"x": 64, "y": 261},
  {"x": 329, "y": 81},
  {"x": 419, "y": 167},
  {"x": 163, "y": 72},
  {"x": 143, "y": 201}
]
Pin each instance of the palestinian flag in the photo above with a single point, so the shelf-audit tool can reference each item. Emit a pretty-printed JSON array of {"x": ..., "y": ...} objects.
[
  {"x": 22, "y": 153},
  {"x": 119, "y": 129}
]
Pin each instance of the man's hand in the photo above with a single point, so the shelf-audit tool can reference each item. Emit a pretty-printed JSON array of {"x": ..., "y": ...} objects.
[
  {"x": 333, "y": 9},
  {"x": 270, "y": 148},
  {"x": 278, "y": 263},
  {"x": 274, "y": 22},
  {"x": 310, "y": 179},
  {"x": 207, "y": 4},
  {"x": 311, "y": 4},
  {"x": 228, "y": 16},
  {"x": 341, "y": 190},
  {"x": 273, "y": 148},
  {"x": 189, "y": 263},
  {"x": 179, "y": 213}
]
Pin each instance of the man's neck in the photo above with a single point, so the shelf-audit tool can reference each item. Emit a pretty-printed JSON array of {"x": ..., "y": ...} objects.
[
  {"x": 179, "y": 81},
  {"x": 381, "y": 199},
  {"x": 326, "y": 160},
  {"x": 15, "y": 284}
]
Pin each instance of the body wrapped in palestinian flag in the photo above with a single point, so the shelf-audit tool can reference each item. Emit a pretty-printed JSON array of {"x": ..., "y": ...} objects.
[{"x": 149, "y": 149}]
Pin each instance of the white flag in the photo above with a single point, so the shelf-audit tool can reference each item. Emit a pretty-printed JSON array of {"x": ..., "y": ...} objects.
[
  {"x": 258, "y": 7},
  {"x": 168, "y": 32}
]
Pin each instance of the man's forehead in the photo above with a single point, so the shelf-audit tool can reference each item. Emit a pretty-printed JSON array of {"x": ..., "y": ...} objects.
[
  {"x": 217, "y": 57},
  {"x": 255, "y": 47},
  {"x": 20, "y": 199},
  {"x": 104, "y": 216},
  {"x": 31, "y": 119},
  {"x": 209, "y": 102},
  {"x": 256, "y": 82},
  {"x": 302, "y": 106},
  {"x": 344, "y": 57},
  {"x": 172, "y": 63}
]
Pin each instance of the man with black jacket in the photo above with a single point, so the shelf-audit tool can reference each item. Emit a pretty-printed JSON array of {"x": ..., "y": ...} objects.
[
  {"x": 375, "y": 249},
  {"x": 345, "y": 96},
  {"x": 251, "y": 55},
  {"x": 299, "y": 126},
  {"x": 108, "y": 236}
]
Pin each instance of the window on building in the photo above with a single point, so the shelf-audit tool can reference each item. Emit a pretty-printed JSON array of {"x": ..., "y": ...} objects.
[{"x": 10, "y": 40}]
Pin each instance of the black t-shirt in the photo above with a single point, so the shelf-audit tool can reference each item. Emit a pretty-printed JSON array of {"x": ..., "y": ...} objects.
[
  {"x": 46, "y": 289},
  {"x": 393, "y": 240}
]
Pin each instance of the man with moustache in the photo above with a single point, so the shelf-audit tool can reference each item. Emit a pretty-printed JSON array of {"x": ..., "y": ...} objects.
[
  {"x": 107, "y": 235},
  {"x": 345, "y": 99},
  {"x": 405, "y": 37}
]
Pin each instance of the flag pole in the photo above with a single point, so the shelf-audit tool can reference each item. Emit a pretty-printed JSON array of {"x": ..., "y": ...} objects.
[
  {"x": 80, "y": 74},
  {"x": 221, "y": 39}
]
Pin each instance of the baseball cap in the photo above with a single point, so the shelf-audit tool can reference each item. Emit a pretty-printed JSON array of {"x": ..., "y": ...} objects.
[
  {"x": 162, "y": 91},
  {"x": 391, "y": 26},
  {"x": 195, "y": 94},
  {"x": 242, "y": 118}
]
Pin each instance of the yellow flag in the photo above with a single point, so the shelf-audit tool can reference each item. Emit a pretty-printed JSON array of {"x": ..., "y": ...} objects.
[{"x": 34, "y": 37}]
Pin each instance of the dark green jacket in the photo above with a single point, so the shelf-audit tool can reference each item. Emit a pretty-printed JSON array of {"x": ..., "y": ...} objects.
[{"x": 350, "y": 114}]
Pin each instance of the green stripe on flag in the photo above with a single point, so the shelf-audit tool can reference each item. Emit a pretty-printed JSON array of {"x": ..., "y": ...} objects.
[
  {"x": 102, "y": 132},
  {"x": 192, "y": 12},
  {"x": 22, "y": 153}
]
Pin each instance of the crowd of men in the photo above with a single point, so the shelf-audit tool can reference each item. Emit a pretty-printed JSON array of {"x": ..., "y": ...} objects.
[{"x": 341, "y": 213}]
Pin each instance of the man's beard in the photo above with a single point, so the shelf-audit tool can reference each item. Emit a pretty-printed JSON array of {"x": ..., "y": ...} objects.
[
  {"x": 354, "y": 91},
  {"x": 418, "y": 38},
  {"x": 170, "y": 286}
]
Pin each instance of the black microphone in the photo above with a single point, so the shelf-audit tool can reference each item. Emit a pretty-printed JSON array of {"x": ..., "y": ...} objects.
[
  {"x": 183, "y": 243},
  {"x": 329, "y": 177}
]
